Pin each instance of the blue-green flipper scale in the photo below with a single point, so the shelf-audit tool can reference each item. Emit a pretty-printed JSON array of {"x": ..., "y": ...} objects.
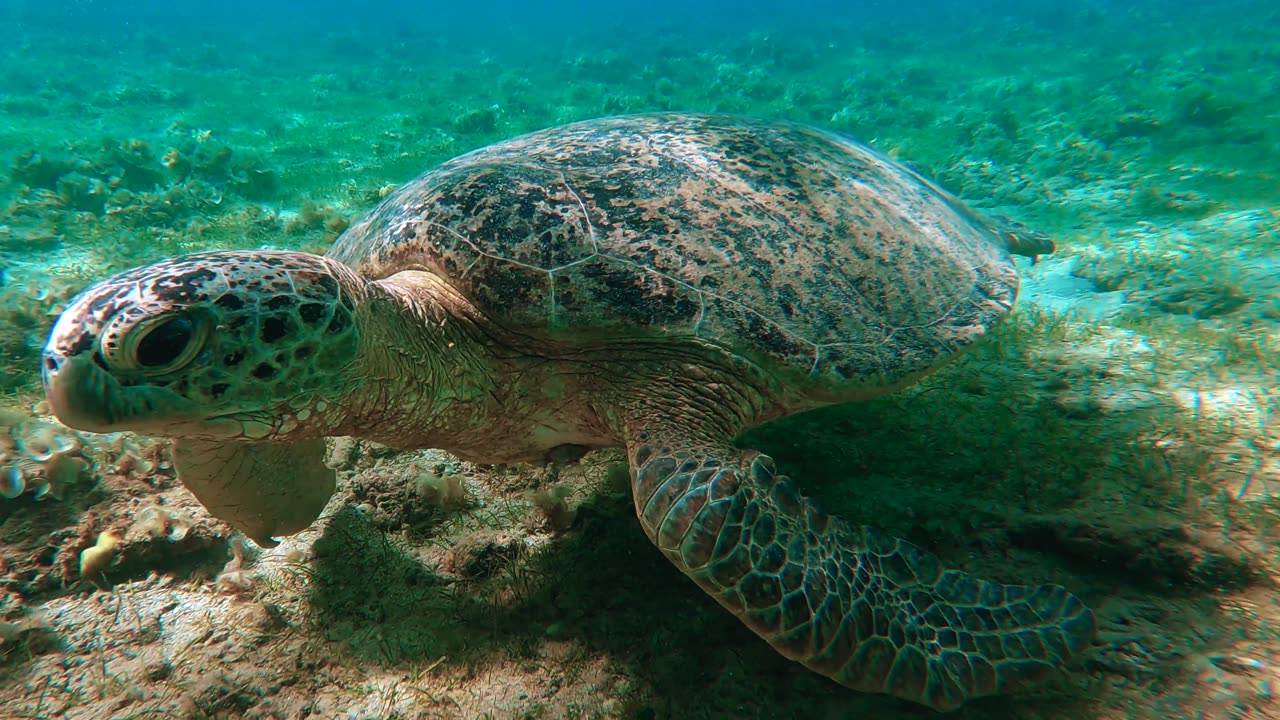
[{"x": 872, "y": 612}]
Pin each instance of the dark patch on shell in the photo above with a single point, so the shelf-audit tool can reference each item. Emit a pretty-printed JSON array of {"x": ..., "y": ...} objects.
[
  {"x": 507, "y": 285},
  {"x": 801, "y": 245},
  {"x": 639, "y": 298}
]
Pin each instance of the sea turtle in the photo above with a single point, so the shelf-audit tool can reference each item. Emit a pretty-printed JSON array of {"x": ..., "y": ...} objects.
[{"x": 659, "y": 282}]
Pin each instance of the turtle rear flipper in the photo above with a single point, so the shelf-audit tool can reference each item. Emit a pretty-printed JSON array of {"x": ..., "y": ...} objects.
[
  {"x": 262, "y": 489},
  {"x": 872, "y": 612}
]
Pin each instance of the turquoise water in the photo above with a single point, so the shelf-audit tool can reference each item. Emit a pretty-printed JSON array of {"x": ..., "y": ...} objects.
[{"x": 1118, "y": 436}]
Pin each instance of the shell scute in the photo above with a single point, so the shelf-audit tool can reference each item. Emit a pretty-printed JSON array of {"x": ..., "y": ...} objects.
[
  {"x": 619, "y": 292},
  {"x": 816, "y": 256}
]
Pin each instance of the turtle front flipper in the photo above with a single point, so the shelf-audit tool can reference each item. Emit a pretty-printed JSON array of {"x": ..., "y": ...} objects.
[
  {"x": 872, "y": 612},
  {"x": 265, "y": 490}
]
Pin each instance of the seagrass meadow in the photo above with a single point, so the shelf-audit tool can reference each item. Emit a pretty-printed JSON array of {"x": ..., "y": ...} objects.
[{"x": 1119, "y": 434}]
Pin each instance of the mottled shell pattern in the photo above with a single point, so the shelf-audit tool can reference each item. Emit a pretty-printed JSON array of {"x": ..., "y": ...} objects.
[{"x": 820, "y": 259}]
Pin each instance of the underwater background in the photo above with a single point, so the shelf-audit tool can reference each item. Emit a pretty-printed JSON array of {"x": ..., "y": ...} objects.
[{"x": 1119, "y": 435}]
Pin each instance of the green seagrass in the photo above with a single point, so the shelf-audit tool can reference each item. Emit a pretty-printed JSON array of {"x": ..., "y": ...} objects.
[{"x": 658, "y": 282}]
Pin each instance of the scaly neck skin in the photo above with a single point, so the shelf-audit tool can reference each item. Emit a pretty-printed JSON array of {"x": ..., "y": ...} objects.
[
  {"x": 423, "y": 377},
  {"x": 433, "y": 372}
]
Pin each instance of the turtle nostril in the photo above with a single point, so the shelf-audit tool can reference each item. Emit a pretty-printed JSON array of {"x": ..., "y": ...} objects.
[{"x": 50, "y": 363}]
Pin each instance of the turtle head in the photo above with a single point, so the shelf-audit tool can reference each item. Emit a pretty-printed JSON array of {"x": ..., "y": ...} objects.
[{"x": 222, "y": 345}]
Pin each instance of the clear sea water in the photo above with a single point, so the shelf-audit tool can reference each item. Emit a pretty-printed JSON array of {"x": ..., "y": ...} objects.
[{"x": 1118, "y": 437}]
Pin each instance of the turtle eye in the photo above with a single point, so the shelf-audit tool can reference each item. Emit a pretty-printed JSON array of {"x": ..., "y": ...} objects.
[{"x": 167, "y": 344}]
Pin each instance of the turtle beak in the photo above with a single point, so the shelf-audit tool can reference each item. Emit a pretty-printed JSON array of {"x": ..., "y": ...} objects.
[
  {"x": 84, "y": 396},
  {"x": 81, "y": 394}
]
